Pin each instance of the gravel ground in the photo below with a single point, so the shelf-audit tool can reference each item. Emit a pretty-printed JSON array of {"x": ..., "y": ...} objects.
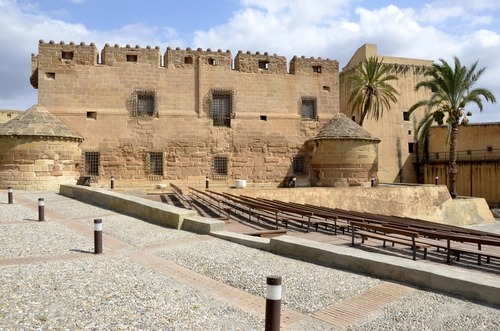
[{"x": 117, "y": 293}]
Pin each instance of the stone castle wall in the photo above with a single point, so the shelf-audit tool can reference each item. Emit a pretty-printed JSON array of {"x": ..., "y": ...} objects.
[{"x": 95, "y": 97}]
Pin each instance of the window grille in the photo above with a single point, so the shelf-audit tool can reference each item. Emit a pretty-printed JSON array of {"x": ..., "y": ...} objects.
[
  {"x": 299, "y": 165},
  {"x": 406, "y": 116},
  {"x": 146, "y": 102},
  {"x": 156, "y": 163},
  {"x": 91, "y": 163},
  {"x": 317, "y": 69},
  {"x": 221, "y": 109},
  {"x": 308, "y": 108},
  {"x": 219, "y": 164}
]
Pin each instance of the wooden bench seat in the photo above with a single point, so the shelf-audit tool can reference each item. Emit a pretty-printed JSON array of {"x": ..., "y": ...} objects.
[{"x": 381, "y": 232}]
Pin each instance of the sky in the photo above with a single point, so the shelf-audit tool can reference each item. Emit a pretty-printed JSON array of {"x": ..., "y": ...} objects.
[{"x": 334, "y": 29}]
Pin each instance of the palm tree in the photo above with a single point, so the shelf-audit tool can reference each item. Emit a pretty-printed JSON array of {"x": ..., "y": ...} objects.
[
  {"x": 451, "y": 89},
  {"x": 371, "y": 92}
]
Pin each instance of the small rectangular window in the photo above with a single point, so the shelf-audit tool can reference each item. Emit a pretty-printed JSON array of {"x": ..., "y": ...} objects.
[
  {"x": 221, "y": 108},
  {"x": 489, "y": 148},
  {"x": 131, "y": 57},
  {"x": 188, "y": 60},
  {"x": 220, "y": 167},
  {"x": 406, "y": 116},
  {"x": 317, "y": 69},
  {"x": 212, "y": 61},
  {"x": 326, "y": 88},
  {"x": 409, "y": 132},
  {"x": 299, "y": 165},
  {"x": 411, "y": 147},
  {"x": 264, "y": 65},
  {"x": 146, "y": 103},
  {"x": 67, "y": 55},
  {"x": 156, "y": 163},
  {"x": 92, "y": 163},
  {"x": 92, "y": 115},
  {"x": 50, "y": 75},
  {"x": 308, "y": 109},
  {"x": 263, "y": 117}
]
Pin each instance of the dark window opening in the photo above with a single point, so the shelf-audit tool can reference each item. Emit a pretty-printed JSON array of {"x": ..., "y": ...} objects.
[
  {"x": 263, "y": 117},
  {"x": 409, "y": 132},
  {"x": 67, "y": 55},
  {"x": 308, "y": 108},
  {"x": 326, "y": 88},
  {"x": 92, "y": 163},
  {"x": 411, "y": 147},
  {"x": 317, "y": 69},
  {"x": 131, "y": 57},
  {"x": 220, "y": 167},
  {"x": 437, "y": 156},
  {"x": 264, "y": 65},
  {"x": 221, "y": 109},
  {"x": 188, "y": 60},
  {"x": 299, "y": 165},
  {"x": 406, "y": 116},
  {"x": 146, "y": 103},
  {"x": 50, "y": 75},
  {"x": 469, "y": 152},
  {"x": 92, "y": 115},
  {"x": 212, "y": 61},
  {"x": 353, "y": 118},
  {"x": 489, "y": 148},
  {"x": 156, "y": 163}
]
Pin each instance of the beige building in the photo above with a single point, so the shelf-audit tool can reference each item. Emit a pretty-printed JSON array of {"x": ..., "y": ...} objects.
[
  {"x": 148, "y": 118},
  {"x": 396, "y": 128}
]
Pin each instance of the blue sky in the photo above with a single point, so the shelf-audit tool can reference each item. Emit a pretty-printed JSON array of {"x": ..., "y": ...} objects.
[{"x": 426, "y": 29}]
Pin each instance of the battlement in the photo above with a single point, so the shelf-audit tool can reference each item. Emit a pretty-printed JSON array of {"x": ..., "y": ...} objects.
[
  {"x": 53, "y": 56},
  {"x": 260, "y": 63},
  {"x": 313, "y": 65},
  {"x": 185, "y": 59}
]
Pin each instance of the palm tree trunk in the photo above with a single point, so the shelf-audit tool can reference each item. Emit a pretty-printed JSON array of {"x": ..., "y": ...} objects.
[{"x": 452, "y": 168}]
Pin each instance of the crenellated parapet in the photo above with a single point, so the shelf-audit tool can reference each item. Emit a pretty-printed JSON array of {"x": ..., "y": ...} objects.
[
  {"x": 54, "y": 57},
  {"x": 52, "y": 54},
  {"x": 260, "y": 63},
  {"x": 310, "y": 66},
  {"x": 185, "y": 59},
  {"x": 113, "y": 55}
]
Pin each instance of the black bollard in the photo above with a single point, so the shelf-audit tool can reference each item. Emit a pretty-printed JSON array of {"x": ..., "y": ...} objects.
[
  {"x": 112, "y": 182},
  {"x": 9, "y": 195},
  {"x": 294, "y": 181},
  {"x": 41, "y": 210},
  {"x": 97, "y": 236},
  {"x": 273, "y": 303},
  {"x": 373, "y": 181},
  {"x": 207, "y": 181},
  {"x": 436, "y": 180}
]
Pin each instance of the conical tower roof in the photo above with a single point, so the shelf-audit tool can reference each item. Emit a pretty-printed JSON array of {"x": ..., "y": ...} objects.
[
  {"x": 340, "y": 127},
  {"x": 37, "y": 121}
]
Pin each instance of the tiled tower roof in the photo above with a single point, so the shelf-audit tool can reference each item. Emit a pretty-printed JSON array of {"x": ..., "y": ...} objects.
[
  {"x": 37, "y": 121},
  {"x": 341, "y": 127}
]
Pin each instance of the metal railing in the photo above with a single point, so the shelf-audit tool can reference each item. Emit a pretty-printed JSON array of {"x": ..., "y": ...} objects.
[{"x": 468, "y": 155}]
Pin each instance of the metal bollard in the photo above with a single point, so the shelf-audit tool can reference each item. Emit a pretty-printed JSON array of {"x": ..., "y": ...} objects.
[
  {"x": 112, "y": 182},
  {"x": 9, "y": 195},
  {"x": 294, "y": 181},
  {"x": 273, "y": 303},
  {"x": 207, "y": 181},
  {"x": 41, "y": 210},
  {"x": 98, "y": 236},
  {"x": 436, "y": 180},
  {"x": 373, "y": 181}
]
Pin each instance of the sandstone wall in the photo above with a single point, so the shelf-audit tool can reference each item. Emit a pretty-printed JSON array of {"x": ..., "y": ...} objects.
[
  {"x": 266, "y": 131},
  {"x": 35, "y": 163}
]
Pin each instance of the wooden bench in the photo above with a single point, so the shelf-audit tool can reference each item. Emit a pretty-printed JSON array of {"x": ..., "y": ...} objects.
[
  {"x": 381, "y": 232},
  {"x": 185, "y": 200}
]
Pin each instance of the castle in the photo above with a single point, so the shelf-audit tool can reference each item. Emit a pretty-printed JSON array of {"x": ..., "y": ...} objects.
[{"x": 145, "y": 118}]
